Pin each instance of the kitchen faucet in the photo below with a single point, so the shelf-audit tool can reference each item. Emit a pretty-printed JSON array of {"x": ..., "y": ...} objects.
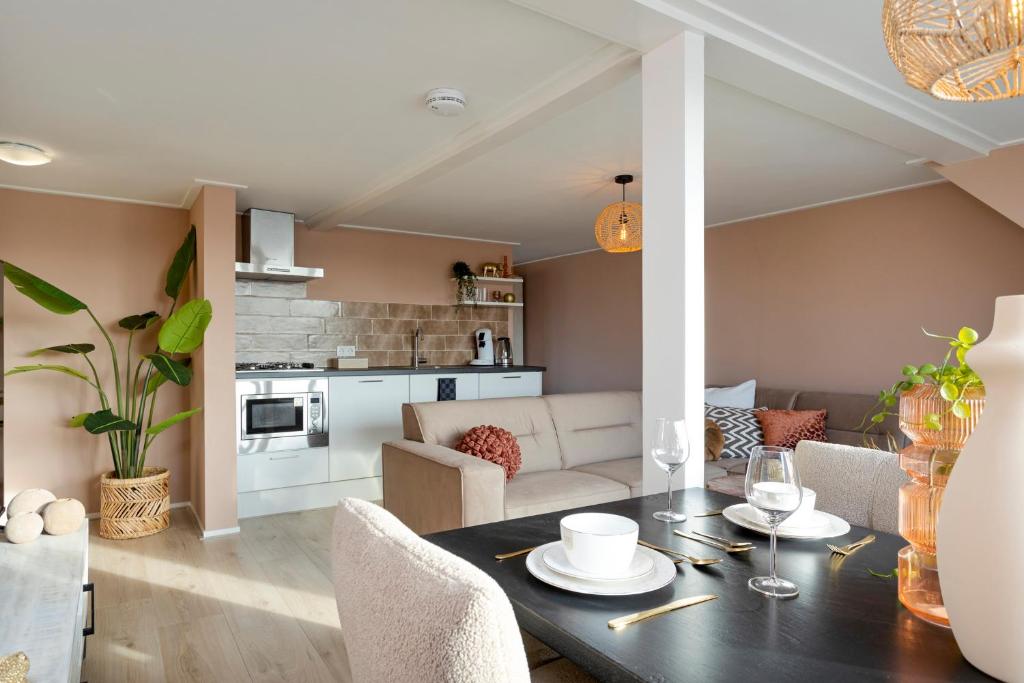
[{"x": 416, "y": 339}]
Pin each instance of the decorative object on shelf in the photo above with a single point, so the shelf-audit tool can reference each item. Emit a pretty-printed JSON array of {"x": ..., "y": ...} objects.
[
  {"x": 506, "y": 267},
  {"x": 14, "y": 668},
  {"x": 63, "y": 516},
  {"x": 132, "y": 508},
  {"x": 619, "y": 226},
  {"x": 982, "y": 503},
  {"x": 465, "y": 280},
  {"x": 126, "y": 416},
  {"x": 494, "y": 444},
  {"x": 959, "y": 50},
  {"x": 939, "y": 407},
  {"x": 496, "y": 295},
  {"x": 509, "y": 298},
  {"x": 490, "y": 269},
  {"x": 24, "y": 528},
  {"x": 30, "y": 500}
]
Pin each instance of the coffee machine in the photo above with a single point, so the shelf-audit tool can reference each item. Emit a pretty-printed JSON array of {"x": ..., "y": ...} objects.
[{"x": 484, "y": 347}]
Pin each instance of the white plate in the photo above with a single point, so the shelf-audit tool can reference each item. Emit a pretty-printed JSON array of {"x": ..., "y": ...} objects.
[
  {"x": 820, "y": 525},
  {"x": 555, "y": 558},
  {"x": 662, "y": 574}
]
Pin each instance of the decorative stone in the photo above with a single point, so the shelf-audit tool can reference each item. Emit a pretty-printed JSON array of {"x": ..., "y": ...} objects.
[
  {"x": 63, "y": 516},
  {"x": 29, "y": 500},
  {"x": 24, "y": 528}
]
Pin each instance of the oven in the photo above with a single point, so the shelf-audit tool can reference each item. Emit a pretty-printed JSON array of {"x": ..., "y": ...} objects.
[{"x": 281, "y": 414}]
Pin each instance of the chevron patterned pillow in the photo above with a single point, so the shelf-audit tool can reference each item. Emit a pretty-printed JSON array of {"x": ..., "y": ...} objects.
[{"x": 740, "y": 427}]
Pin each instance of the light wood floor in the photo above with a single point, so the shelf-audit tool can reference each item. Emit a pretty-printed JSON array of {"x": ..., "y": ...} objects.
[{"x": 256, "y": 606}]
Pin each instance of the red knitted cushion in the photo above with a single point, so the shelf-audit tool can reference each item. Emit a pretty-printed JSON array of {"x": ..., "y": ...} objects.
[{"x": 494, "y": 444}]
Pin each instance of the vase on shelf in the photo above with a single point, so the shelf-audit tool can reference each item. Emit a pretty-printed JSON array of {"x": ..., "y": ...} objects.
[
  {"x": 979, "y": 527},
  {"x": 928, "y": 461}
]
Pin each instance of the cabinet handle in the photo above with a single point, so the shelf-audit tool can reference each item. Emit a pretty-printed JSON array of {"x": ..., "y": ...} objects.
[
  {"x": 284, "y": 457},
  {"x": 90, "y": 628},
  {"x": 370, "y": 381},
  {"x": 512, "y": 377}
]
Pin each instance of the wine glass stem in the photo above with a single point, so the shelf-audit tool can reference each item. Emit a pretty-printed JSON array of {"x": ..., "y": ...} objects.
[
  {"x": 771, "y": 556},
  {"x": 669, "y": 493}
]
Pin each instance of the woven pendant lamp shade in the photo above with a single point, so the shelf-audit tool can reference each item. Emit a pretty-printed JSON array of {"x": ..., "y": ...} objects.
[
  {"x": 619, "y": 226},
  {"x": 959, "y": 50}
]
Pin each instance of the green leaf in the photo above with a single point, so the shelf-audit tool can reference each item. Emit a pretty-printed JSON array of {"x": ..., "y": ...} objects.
[
  {"x": 878, "y": 419},
  {"x": 171, "y": 369},
  {"x": 182, "y": 261},
  {"x": 915, "y": 379},
  {"x": 949, "y": 391},
  {"x": 890, "y": 401},
  {"x": 103, "y": 421},
  {"x": 65, "y": 348},
  {"x": 885, "y": 575},
  {"x": 45, "y": 366},
  {"x": 183, "y": 332},
  {"x": 171, "y": 421},
  {"x": 42, "y": 292},
  {"x": 961, "y": 354},
  {"x": 157, "y": 379},
  {"x": 967, "y": 335},
  {"x": 140, "y": 321},
  {"x": 927, "y": 369},
  {"x": 962, "y": 410},
  {"x": 78, "y": 420},
  {"x": 933, "y": 422},
  {"x": 909, "y": 370}
]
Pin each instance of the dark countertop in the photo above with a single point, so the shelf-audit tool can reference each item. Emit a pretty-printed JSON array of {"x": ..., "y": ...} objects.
[{"x": 423, "y": 370}]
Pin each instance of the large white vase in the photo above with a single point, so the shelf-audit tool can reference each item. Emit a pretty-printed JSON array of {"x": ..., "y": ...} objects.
[{"x": 980, "y": 533}]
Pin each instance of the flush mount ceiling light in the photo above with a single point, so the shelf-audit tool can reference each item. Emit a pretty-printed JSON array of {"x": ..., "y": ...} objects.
[
  {"x": 619, "y": 226},
  {"x": 958, "y": 50},
  {"x": 446, "y": 101},
  {"x": 20, "y": 154}
]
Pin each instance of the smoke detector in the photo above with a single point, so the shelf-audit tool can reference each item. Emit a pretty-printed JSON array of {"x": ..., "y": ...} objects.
[{"x": 446, "y": 101}]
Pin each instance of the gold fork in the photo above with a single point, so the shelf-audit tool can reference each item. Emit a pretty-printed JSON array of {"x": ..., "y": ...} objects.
[
  {"x": 695, "y": 561},
  {"x": 851, "y": 548},
  {"x": 514, "y": 553}
]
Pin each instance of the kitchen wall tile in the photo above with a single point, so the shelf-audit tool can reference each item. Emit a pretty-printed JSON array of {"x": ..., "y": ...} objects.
[
  {"x": 399, "y": 358},
  {"x": 499, "y": 329},
  {"x": 266, "y": 324},
  {"x": 440, "y": 326},
  {"x": 330, "y": 342},
  {"x": 443, "y": 312},
  {"x": 314, "y": 308},
  {"x": 462, "y": 342},
  {"x": 278, "y": 342},
  {"x": 376, "y": 359},
  {"x": 392, "y": 326},
  {"x": 432, "y": 342},
  {"x": 243, "y": 287},
  {"x": 362, "y": 309},
  {"x": 286, "y": 290},
  {"x": 260, "y": 305},
  {"x": 409, "y": 311},
  {"x": 261, "y": 357},
  {"x": 455, "y": 357},
  {"x": 469, "y": 327},
  {"x": 380, "y": 342},
  {"x": 317, "y": 358},
  {"x": 348, "y": 326},
  {"x": 244, "y": 342}
]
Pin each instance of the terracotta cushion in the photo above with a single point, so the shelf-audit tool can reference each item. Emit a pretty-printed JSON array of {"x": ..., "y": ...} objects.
[
  {"x": 493, "y": 444},
  {"x": 787, "y": 428}
]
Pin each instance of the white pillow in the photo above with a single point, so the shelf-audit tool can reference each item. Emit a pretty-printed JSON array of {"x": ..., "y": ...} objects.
[{"x": 739, "y": 396}]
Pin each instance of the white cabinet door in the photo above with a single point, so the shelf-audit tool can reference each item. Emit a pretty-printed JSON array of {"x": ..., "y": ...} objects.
[
  {"x": 423, "y": 388},
  {"x": 510, "y": 384},
  {"x": 278, "y": 469},
  {"x": 365, "y": 411}
]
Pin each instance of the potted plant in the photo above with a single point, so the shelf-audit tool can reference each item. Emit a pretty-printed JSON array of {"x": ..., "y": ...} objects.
[
  {"x": 134, "y": 498},
  {"x": 465, "y": 280}
]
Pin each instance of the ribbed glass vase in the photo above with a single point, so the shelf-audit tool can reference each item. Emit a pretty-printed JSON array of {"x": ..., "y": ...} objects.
[{"x": 925, "y": 399}]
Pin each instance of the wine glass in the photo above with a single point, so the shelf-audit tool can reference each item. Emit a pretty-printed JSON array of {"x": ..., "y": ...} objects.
[
  {"x": 670, "y": 449},
  {"x": 773, "y": 489}
]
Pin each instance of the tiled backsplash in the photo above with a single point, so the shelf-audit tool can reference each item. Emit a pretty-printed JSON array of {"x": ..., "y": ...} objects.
[{"x": 274, "y": 321}]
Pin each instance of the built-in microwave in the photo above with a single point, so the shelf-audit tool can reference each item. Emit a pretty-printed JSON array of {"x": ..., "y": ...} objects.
[{"x": 281, "y": 414}]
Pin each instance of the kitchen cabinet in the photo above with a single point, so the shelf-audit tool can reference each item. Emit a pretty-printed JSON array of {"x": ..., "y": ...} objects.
[
  {"x": 277, "y": 469},
  {"x": 510, "y": 384},
  {"x": 423, "y": 388},
  {"x": 365, "y": 411}
]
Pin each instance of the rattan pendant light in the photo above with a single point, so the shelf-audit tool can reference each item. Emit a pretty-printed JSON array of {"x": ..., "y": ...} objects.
[
  {"x": 619, "y": 226},
  {"x": 959, "y": 50}
]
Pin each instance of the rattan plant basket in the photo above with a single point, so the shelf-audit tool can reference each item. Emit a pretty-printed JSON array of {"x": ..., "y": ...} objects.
[{"x": 132, "y": 508}]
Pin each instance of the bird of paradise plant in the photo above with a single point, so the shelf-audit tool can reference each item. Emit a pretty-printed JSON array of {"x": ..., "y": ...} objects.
[{"x": 126, "y": 419}]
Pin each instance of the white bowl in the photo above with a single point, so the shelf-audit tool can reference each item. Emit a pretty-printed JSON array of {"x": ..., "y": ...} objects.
[
  {"x": 599, "y": 544},
  {"x": 805, "y": 513}
]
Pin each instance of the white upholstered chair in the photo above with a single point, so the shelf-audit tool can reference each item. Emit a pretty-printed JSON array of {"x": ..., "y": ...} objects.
[
  {"x": 861, "y": 485},
  {"x": 411, "y": 611}
]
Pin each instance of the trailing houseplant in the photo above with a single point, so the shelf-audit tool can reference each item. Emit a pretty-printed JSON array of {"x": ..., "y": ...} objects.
[
  {"x": 465, "y": 280},
  {"x": 126, "y": 417}
]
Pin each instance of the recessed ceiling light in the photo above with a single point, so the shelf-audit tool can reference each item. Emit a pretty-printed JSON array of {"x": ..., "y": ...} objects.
[
  {"x": 20, "y": 154},
  {"x": 446, "y": 101}
]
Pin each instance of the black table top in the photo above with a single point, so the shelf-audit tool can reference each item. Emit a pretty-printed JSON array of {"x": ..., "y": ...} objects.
[{"x": 846, "y": 625}]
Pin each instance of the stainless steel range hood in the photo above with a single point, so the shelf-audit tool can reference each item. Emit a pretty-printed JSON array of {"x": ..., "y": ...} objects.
[{"x": 268, "y": 239}]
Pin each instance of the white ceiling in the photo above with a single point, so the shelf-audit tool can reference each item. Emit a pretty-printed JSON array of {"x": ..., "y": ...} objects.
[{"x": 312, "y": 105}]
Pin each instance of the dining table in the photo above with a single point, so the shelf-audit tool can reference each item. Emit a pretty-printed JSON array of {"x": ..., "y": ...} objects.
[{"x": 846, "y": 624}]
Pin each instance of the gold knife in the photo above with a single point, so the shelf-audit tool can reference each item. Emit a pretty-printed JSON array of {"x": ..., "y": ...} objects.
[
  {"x": 725, "y": 541},
  {"x": 622, "y": 622},
  {"x": 709, "y": 513},
  {"x": 514, "y": 553},
  {"x": 714, "y": 544}
]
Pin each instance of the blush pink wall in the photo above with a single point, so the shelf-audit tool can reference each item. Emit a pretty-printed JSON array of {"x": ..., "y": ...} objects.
[
  {"x": 831, "y": 298},
  {"x": 113, "y": 256}
]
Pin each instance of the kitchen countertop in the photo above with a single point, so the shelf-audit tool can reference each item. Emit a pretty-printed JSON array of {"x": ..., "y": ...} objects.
[{"x": 422, "y": 370}]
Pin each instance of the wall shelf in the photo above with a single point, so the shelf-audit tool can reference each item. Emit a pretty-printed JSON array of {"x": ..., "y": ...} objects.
[
  {"x": 503, "y": 304},
  {"x": 510, "y": 280}
]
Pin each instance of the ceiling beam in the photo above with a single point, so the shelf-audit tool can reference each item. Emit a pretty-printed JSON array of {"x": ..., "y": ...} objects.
[
  {"x": 580, "y": 81},
  {"x": 772, "y": 67}
]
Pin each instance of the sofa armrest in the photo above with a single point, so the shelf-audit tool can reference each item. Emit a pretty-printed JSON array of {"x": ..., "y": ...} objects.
[{"x": 434, "y": 488}]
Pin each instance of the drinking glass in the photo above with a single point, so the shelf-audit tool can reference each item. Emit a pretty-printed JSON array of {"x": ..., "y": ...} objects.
[
  {"x": 670, "y": 450},
  {"x": 773, "y": 489}
]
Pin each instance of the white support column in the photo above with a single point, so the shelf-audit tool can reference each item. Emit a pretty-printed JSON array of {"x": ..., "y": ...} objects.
[{"x": 673, "y": 253}]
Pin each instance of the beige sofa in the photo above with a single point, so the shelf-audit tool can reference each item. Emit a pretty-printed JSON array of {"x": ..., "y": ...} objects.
[{"x": 578, "y": 449}]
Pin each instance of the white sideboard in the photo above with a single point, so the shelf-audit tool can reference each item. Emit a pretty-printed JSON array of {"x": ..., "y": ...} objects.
[{"x": 365, "y": 410}]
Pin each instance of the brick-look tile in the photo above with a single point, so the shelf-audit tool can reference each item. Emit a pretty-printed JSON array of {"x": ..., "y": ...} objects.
[
  {"x": 469, "y": 327},
  {"x": 243, "y": 287},
  {"x": 243, "y": 342},
  {"x": 261, "y": 356},
  {"x": 409, "y": 311},
  {"x": 277, "y": 342},
  {"x": 462, "y": 342},
  {"x": 374, "y": 358},
  {"x": 317, "y": 358},
  {"x": 440, "y": 326},
  {"x": 260, "y": 305},
  {"x": 453, "y": 357},
  {"x": 266, "y": 324},
  {"x": 393, "y": 326},
  {"x": 432, "y": 342},
  {"x": 285, "y": 290},
  {"x": 348, "y": 326},
  {"x": 380, "y": 342},
  {"x": 330, "y": 342},
  {"x": 398, "y": 358},
  {"x": 313, "y": 308},
  {"x": 444, "y": 312},
  {"x": 500, "y": 329},
  {"x": 362, "y": 309}
]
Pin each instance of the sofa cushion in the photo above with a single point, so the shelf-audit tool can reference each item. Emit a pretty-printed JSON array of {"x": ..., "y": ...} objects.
[
  {"x": 598, "y": 426},
  {"x": 628, "y": 471},
  {"x": 445, "y": 422},
  {"x": 740, "y": 428},
  {"x": 538, "y": 492}
]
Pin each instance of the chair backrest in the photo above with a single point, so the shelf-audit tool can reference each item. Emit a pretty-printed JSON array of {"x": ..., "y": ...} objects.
[
  {"x": 411, "y": 611},
  {"x": 597, "y": 426},
  {"x": 861, "y": 485}
]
